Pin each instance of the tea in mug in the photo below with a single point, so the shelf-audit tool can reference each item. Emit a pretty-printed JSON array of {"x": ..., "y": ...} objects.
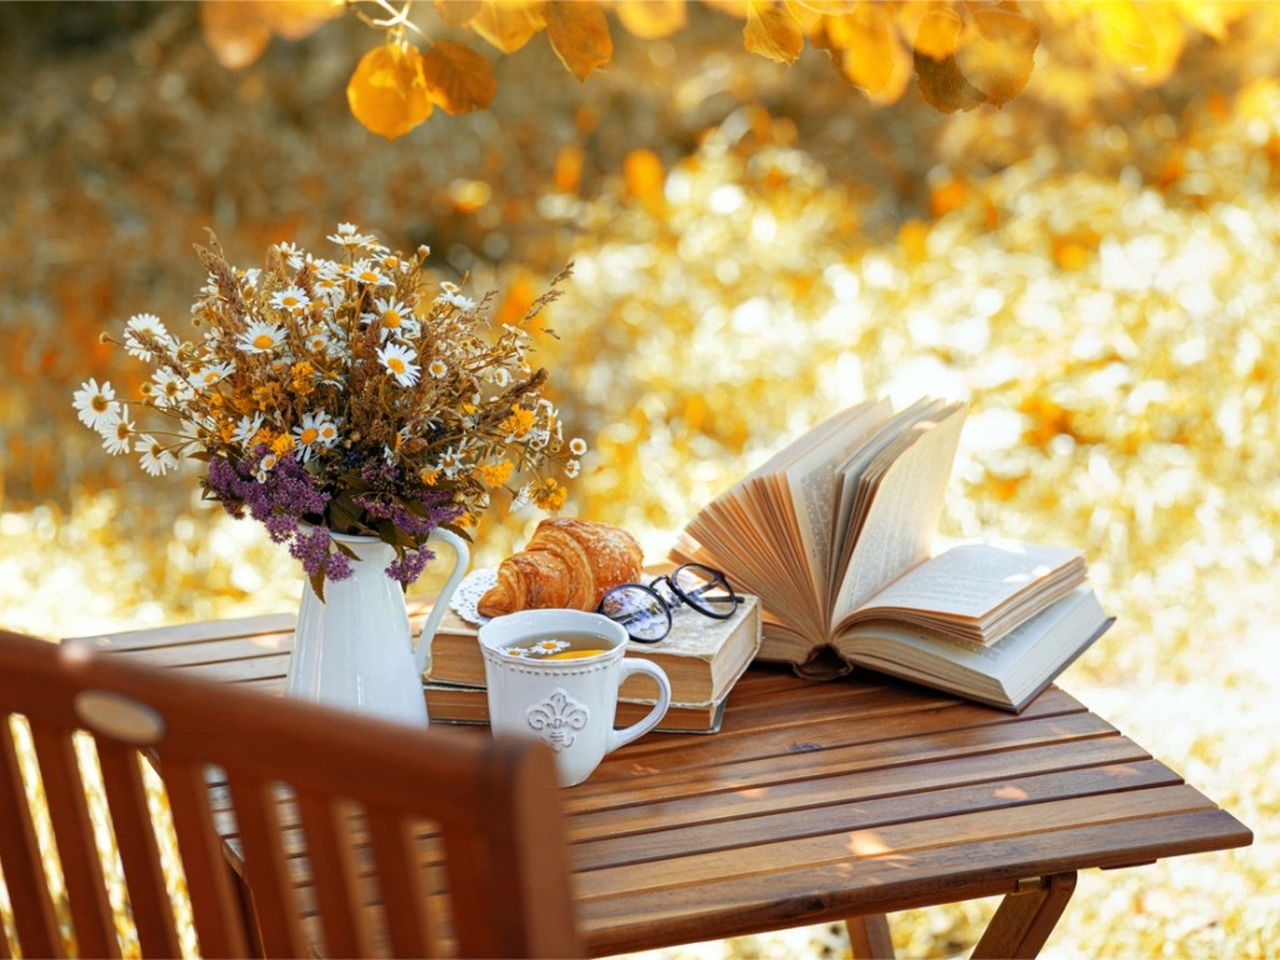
[{"x": 558, "y": 645}]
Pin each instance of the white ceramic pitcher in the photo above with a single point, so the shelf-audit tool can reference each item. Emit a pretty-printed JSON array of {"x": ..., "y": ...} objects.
[{"x": 353, "y": 650}]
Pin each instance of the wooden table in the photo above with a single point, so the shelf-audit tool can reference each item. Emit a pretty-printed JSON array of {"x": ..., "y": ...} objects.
[{"x": 838, "y": 801}]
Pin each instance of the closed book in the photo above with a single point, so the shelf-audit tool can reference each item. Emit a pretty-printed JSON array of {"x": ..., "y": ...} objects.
[
  {"x": 702, "y": 657},
  {"x": 451, "y": 703}
]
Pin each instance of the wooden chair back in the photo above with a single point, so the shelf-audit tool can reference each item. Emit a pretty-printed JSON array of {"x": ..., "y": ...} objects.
[{"x": 360, "y": 788}]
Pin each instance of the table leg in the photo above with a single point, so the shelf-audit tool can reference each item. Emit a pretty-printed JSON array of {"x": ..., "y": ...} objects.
[
  {"x": 869, "y": 937},
  {"x": 1026, "y": 918}
]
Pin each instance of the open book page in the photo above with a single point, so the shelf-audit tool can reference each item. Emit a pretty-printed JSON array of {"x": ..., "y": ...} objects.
[
  {"x": 810, "y": 482},
  {"x": 867, "y": 462},
  {"x": 903, "y": 515},
  {"x": 971, "y": 580},
  {"x": 1007, "y": 673}
]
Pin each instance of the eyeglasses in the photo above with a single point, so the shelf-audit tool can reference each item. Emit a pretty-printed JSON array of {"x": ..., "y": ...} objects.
[{"x": 645, "y": 611}]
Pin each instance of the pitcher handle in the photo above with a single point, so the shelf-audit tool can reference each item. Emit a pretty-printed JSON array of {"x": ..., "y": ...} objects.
[
  {"x": 462, "y": 559},
  {"x": 630, "y": 665}
]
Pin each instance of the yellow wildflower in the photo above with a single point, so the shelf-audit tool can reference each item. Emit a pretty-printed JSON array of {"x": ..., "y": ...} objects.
[
  {"x": 282, "y": 444},
  {"x": 493, "y": 474},
  {"x": 304, "y": 378},
  {"x": 518, "y": 423},
  {"x": 549, "y": 495},
  {"x": 464, "y": 521},
  {"x": 428, "y": 476}
]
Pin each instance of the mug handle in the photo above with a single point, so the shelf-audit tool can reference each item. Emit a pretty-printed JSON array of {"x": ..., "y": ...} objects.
[
  {"x": 461, "y": 560},
  {"x": 620, "y": 738}
]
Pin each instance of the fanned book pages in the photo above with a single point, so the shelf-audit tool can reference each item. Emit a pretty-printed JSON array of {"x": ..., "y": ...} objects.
[{"x": 834, "y": 534}]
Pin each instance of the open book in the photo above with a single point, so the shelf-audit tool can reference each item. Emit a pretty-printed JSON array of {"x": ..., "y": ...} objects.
[{"x": 834, "y": 535}]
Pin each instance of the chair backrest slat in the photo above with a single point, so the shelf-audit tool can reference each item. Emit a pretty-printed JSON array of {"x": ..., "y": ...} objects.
[
  {"x": 326, "y": 824},
  {"x": 266, "y": 866},
  {"x": 400, "y": 879},
  {"x": 493, "y": 802},
  {"x": 33, "y": 916},
  {"x": 73, "y": 832},
  {"x": 215, "y": 906},
  {"x": 139, "y": 851}
]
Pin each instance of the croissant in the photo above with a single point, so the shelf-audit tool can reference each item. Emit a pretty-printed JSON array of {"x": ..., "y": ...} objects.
[{"x": 567, "y": 563}]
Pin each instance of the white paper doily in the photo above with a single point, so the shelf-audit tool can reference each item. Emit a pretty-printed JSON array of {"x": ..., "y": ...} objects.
[
  {"x": 479, "y": 582},
  {"x": 473, "y": 586}
]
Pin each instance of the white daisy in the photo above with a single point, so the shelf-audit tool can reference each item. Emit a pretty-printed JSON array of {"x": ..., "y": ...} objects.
[
  {"x": 156, "y": 460},
  {"x": 328, "y": 433},
  {"x": 349, "y": 236},
  {"x": 456, "y": 300},
  {"x": 169, "y": 389},
  {"x": 398, "y": 360},
  {"x": 523, "y": 497},
  {"x": 571, "y": 468},
  {"x": 265, "y": 466},
  {"x": 146, "y": 325},
  {"x": 247, "y": 428},
  {"x": 367, "y": 272},
  {"x": 309, "y": 435},
  {"x": 395, "y": 319},
  {"x": 94, "y": 404},
  {"x": 261, "y": 337},
  {"x": 547, "y": 647},
  {"x": 318, "y": 342},
  {"x": 117, "y": 431},
  {"x": 450, "y": 462},
  {"x": 294, "y": 257},
  {"x": 501, "y": 377},
  {"x": 437, "y": 368},
  {"x": 290, "y": 298},
  {"x": 211, "y": 374},
  {"x": 249, "y": 278},
  {"x": 516, "y": 651},
  {"x": 577, "y": 446}
]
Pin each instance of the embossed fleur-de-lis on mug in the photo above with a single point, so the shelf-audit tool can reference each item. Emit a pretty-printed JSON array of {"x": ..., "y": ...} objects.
[
  {"x": 569, "y": 703},
  {"x": 557, "y": 719}
]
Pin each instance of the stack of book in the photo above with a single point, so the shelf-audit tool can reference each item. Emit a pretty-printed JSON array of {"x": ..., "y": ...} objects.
[{"x": 703, "y": 658}]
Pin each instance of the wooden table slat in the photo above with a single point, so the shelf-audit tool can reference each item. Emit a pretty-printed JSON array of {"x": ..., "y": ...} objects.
[{"x": 814, "y": 802}]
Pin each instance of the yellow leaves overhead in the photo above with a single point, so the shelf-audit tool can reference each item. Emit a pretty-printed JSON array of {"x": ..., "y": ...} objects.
[
  {"x": 772, "y": 31},
  {"x": 458, "y": 79},
  {"x": 508, "y": 24},
  {"x": 579, "y": 34},
  {"x": 962, "y": 53},
  {"x": 238, "y": 31},
  {"x": 651, "y": 19},
  {"x": 388, "y": 93},
  {"x": 872, "y": 54}
]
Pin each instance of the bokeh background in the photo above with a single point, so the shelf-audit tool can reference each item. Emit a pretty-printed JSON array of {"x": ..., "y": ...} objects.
[{"x": 1094, "y": 267}]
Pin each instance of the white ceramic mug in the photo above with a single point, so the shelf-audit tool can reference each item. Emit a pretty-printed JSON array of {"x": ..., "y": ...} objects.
[{"x": 569, "y": 704}]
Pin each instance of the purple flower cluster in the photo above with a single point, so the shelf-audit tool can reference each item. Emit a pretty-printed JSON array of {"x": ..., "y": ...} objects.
[
  {"x": 286, "y": 501},
  {"x": 283, "y": 497}
]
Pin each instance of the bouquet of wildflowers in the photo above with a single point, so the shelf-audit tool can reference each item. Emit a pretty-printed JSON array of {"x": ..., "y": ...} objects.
[{"x": 352, "y": 396}]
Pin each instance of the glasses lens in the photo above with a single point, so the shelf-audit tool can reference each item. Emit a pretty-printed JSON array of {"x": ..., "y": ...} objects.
[
  {"x": 639, "y": 610},
  {"x": 706, "y": 590}
]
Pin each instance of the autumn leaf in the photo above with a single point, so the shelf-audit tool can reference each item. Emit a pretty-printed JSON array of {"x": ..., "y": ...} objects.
[
  {"x": 772, "y": 32},
  {"x": 457, "y": 13},
  {"x": 1145, "y": 39},
  {"x": 387, "y": 92},
  {"x": 999, "y": 55},
  {"x": 934, "y": 28},
  {"x": 651, "y": 19},
  {"x": 944, "y": 87},
  {"x": 237, "y": 33},
  {"x": 458, "y": 79},
  {"x": 295, "y": 19},
  {"x": 508, "y": 24},
  {"x": 872, "y": 56},
  {"x": 579, "y": 34}
]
